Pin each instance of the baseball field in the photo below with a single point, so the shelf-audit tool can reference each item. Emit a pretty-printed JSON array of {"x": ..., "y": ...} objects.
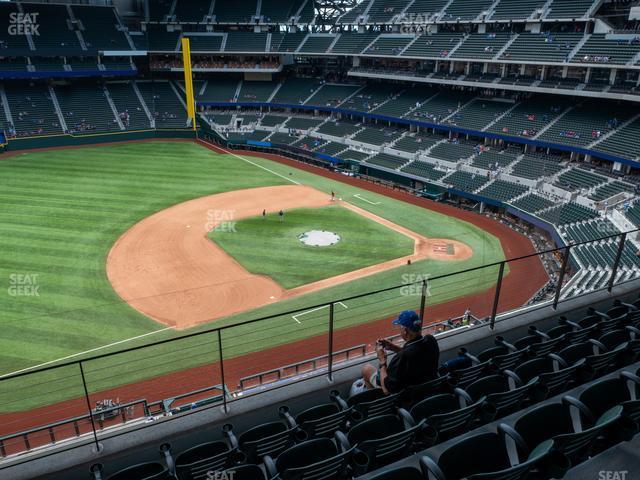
[{"x": 95, "y": 257}]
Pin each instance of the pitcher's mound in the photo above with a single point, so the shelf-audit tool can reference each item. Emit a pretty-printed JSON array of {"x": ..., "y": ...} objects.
[{"x": 319, "y": 238}]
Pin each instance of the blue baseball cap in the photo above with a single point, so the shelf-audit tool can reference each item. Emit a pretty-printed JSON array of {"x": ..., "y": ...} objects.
[{"x": 409, "y": 319}]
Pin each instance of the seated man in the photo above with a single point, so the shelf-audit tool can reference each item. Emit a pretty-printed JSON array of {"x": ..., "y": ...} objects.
[{"x": 414, "y": 363}]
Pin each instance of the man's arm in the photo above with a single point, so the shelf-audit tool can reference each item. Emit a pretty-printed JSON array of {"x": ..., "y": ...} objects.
[{"x": 382, "y": 366}]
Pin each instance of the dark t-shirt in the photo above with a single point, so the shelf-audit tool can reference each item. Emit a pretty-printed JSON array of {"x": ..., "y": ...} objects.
[{"x": 416, "y": 363}]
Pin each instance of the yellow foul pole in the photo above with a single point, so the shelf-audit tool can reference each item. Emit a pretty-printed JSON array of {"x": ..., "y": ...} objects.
[{"x": 188, "y": 81}]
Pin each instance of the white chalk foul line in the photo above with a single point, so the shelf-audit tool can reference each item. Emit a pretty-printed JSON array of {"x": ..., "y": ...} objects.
[
  {"x": 120, "y": 342},
  {"x": 295, "y": 317},
  {"x": 358, "y": 196},
  {"x": 259, "y": 166}
]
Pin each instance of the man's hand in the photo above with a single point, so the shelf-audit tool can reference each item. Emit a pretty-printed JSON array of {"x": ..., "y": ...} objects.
[
  {"x": 387, "y": 345},
  {"x": 382, "y": 356}
]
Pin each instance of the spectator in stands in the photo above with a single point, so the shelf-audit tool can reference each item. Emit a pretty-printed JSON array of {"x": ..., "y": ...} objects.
[{"x": 414, "y": 363}]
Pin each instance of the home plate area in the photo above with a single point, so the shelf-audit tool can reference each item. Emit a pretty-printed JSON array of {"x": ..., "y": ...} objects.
[{"x": 443, "y": 248}]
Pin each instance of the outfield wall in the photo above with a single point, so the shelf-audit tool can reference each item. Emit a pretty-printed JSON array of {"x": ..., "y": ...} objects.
[{"x": 68, "y": 140}]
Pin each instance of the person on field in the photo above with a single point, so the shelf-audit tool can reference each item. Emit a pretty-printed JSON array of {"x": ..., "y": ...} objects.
[
  {"x": 414, "y": 363},
  {"x": 264, "y": 214},
  {"x": 281, "y": 215}
]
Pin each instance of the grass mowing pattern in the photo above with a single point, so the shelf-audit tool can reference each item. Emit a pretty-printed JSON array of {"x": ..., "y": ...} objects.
[
  {"x": 267, "y": 246},
  {"x": 62, "y": 212}
]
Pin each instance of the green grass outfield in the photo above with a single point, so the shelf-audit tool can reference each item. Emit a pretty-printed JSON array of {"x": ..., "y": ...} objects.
[
  {"x": 267, "y": 246},
  {"x": 63, "y": 210}
]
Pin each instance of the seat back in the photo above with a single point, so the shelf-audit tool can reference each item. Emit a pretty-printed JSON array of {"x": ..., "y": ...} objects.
[
  {"x": 576, "y": 446},
  {"x": 143, "y": 471},
  {"x": 447, "y": 425},
  {"x": 508, "y": 401},
  {"x": 323, "y": 420},
  {"x": 266, "y": 439},
  {"x": 579, "y": 336},
  {"x": 400, "y": 473},
  {"x": 316, "y": 459},
  {"x": 508, "y": 360},
  {"x": 542, "y": 423},
  {"x": 384, "y": 438},
  {"x": 614, "y": 338},
  {"x": 558, "y": 381},
  {"x": 544, "y": 348},
  {"x": 472, "y": 455},
  {"x": 372, "y": 403},
  {"x": 599, "y": 397},
  {"x": 601, "y": 363},
  {"x": 417, "y": 393},
  {"x": 464, "y": 376},
  {"x": 193, "y": 464},
  {"x": 243, "y": 472}
]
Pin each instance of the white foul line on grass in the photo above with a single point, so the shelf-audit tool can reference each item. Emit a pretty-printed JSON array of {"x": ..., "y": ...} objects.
[
  {"x": 358, "y": 196},
  {"x": 87, "y": 351},
  {"x": 259, "y": 166},
  {"x": 295, "y": 317}
]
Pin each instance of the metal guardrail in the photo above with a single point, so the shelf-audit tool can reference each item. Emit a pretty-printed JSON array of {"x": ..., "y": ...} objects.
[{"x": 120, "y": 410}]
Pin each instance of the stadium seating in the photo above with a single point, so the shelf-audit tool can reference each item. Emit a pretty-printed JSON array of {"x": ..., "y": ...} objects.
[
  {"x": 585, "y": 123},
  {"x": 282, "y": 10},
  {"x": 16, "y": 45},
  {"x": 481, "y": 45},
  {"x": 598, "y": 49},
  {"x": 161, "y": 102},
  {"x": 85, "y": 109},
  {"x": 424, "y": 170},
  {"x": 376, "y": 136},
  {"x": 516, "y": 9},
  {"x": 245, "y": 42},
  {"x": 532, "y": 203},
  {"x": 191, "y": 11},
  {"x": 569, "y": 9},
  {"x": 234, "y": 11},
  {"x": 465, "y": 181},
  {"x": 353, "y": 43},
  {"x": 622, "y": 141},
  {"x": 577, "y": 178},
  {"x": 218, "y": 90},
  {"x": 126, "y": 102},
  {"x": 317, "y": 44},
  {"x": 435, "y": 46},
  {"x": 255, "y": 91},
  {"x": 331, "y": 95},
  {"x": 493, "y": 160},
  {"x": 55, "y": 36},
  {"x": 338, "y": 129},
  {"x": 100, "y": 27},
  {"x": 554, "y": 47},
  {"x": 465, "y": 9},
  {"x": 386, "y": 160},
  {"x": 568, "y": 213},
  {"x": 33, "y": 112},
  {"x": 503, "y": 191},
  {"x": 287, "y": 42},
  {"x": 388, "y": 45}
]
